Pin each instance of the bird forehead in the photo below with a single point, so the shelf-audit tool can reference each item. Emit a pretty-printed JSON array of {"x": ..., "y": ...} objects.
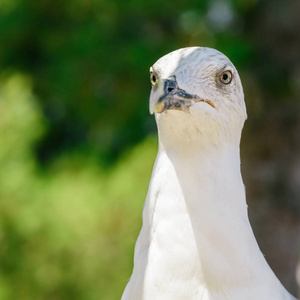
[{"x": 190, "y": 60}]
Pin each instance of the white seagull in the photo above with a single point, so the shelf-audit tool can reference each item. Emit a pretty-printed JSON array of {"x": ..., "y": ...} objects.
[{"x": 196, "y": 241}]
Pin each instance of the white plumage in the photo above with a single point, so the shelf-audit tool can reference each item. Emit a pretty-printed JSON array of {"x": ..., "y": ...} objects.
[{"x": 196, "y": 241}]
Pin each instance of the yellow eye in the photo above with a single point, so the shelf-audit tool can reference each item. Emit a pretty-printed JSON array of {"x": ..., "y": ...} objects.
[
  {"x": 153, "y": 77},
  {"x": 226, "y": 77}
]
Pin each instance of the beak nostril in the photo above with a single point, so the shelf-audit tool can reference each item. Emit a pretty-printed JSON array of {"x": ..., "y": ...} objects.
[{"x": 170, "y": 85}]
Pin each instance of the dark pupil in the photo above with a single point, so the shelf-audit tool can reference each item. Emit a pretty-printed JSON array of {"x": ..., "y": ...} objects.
[
  {"x": 225, "y": 77},
  {"x": 153, "y": 78}
]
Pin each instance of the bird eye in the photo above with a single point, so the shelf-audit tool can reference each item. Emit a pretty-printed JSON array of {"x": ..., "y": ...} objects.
[
  {"x": 226, "y": 77},
  {"x": 153, "y": 78}
]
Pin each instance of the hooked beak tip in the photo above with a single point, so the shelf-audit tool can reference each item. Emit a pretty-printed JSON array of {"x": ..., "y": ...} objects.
[{"x": 165, "y": 94}]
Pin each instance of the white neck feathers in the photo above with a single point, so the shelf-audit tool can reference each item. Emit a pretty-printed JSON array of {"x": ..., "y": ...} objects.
[{"x": 196, "y": 241}]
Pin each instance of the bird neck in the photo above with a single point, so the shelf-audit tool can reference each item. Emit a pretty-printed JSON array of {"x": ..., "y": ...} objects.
[{"x": 214, "y": 194}]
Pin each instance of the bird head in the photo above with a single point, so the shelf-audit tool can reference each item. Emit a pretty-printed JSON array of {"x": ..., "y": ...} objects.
[{"x": 197, "y": 97}]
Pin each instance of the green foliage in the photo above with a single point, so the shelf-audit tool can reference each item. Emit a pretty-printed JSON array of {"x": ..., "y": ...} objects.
[{"x": 64, "y": 232}]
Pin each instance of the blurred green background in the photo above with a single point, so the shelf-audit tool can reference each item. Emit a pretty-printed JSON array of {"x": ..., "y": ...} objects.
[{"x": 78, "y": 143}]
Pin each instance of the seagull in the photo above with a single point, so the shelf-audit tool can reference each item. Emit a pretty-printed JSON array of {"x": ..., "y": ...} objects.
[{"x": 196, "y": 241}]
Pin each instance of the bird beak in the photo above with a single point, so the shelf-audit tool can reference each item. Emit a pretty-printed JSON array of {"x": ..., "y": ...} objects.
[{"x": 166, "y": 95}]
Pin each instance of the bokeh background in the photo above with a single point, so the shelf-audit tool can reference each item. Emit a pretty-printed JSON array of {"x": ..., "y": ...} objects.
[{"x": 78, "y": 143}]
